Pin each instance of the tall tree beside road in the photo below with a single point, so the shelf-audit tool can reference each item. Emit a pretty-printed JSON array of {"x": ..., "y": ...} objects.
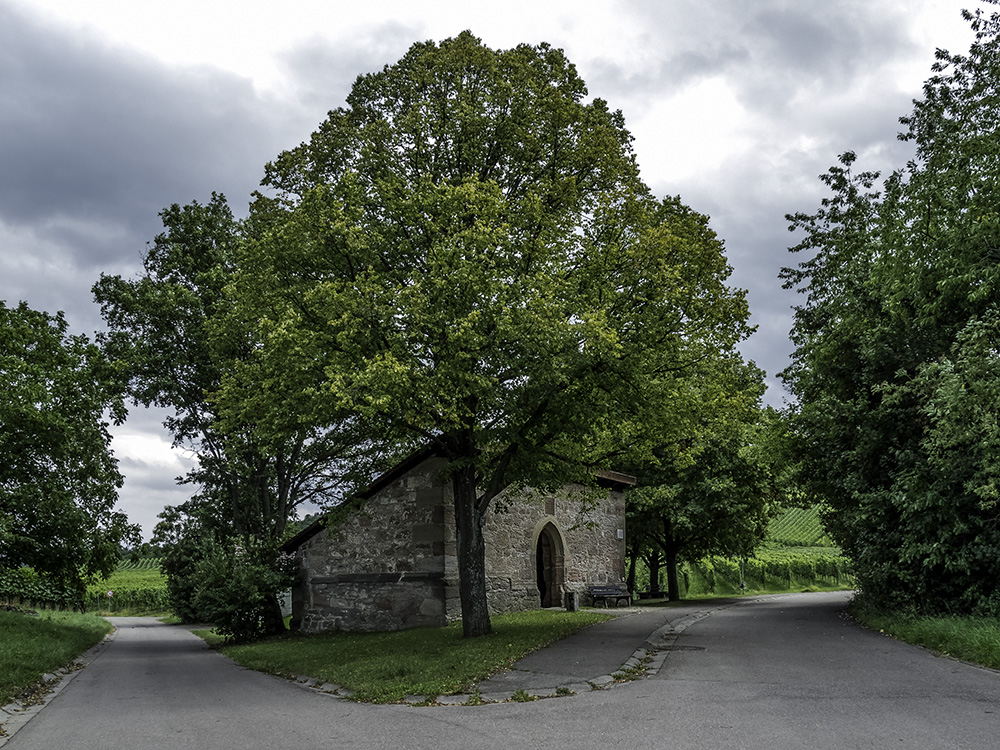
[
  {"x": 58, "y": 479},
  {"x": 171, "y": 335},
  {"x": 465, "y": 256},
  {"x": 715, "y": 493},
  {"x": 898, "y": 345}
]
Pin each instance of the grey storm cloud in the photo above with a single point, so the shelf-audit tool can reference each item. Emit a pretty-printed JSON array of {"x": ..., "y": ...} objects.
[
  {"x": 96, "y": 141},
  {"x": 323, "y": 74},
  {"x": 776, "y": 52},
  {"x": 92, "y": 130}
]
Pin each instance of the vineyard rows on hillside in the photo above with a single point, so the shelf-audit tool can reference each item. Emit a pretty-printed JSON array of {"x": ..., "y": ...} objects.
[{"x": 799, "y": 527}]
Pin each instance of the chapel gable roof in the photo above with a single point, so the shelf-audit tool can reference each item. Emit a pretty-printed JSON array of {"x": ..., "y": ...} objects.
[{"x": 608, "y": 479}]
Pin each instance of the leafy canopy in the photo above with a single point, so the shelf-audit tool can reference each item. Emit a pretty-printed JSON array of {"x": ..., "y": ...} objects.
[
  {"x": 897, "y": 347},
  {"x": 466, "y": 256},
  {"x": 468, "y": 247},
  {"x": 58, "y": 479}
]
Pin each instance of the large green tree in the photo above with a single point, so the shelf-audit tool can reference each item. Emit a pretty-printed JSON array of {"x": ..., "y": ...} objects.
[
  {"x": 715, "y": 492},
  {"x": 173, "y": 338},
  {"x": 896, "y": 347},
  {"x": 58, "y": 479},
  {"x": 465, "y": 256}
]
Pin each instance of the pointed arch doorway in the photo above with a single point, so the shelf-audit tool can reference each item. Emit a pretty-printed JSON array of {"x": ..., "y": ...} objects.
[{"x": 550, "y": 571}]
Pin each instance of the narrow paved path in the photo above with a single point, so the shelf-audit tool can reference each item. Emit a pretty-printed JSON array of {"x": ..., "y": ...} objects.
[{"x": 786, "y": 672}]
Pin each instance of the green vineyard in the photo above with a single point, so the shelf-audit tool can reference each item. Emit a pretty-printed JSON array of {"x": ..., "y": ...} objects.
[
  {"x": 799, "y": 527},
  {"x": 797, "y": 554},
  {"x": 769, "y": 571},
  {"x": 137, "y": 586}
]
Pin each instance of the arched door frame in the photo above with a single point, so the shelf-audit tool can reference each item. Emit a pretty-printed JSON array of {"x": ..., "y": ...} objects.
[{"x": 555, "y": 566}]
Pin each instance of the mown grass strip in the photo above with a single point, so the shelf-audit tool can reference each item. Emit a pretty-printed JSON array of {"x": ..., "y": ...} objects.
[
  {"x": 972, "y": 639},
  {"x": 32, "y": 645},
  {"x": 386, "y": 667}
]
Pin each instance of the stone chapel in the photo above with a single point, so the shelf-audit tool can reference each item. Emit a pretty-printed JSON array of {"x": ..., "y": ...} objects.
[{"x": 386, "y": 560}]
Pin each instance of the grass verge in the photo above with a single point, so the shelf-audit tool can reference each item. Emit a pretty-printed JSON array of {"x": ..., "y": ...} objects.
[
  {"x": 386, "y": 667},
  {"x": 32, "y": 645},
  {"x": 972, "y": 639}
]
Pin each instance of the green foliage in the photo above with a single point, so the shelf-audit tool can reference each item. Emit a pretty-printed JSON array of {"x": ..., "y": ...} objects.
[
  {"x": 236, "y": 590},
  {"x": 465, "y": 255},
  {"x": 138, "y": 587},
  {"x": 31, "y": 646},
  {"x": 58, "y": 478},
  {"x": 896, "y": 366},
  {"x": 714, "y": 498},
  {"x": 799, "y": 527},
  {"x": 386, "y": 667}
]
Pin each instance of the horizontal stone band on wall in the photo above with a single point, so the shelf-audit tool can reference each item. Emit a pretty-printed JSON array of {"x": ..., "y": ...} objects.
[{"x": 401, "y": 577}]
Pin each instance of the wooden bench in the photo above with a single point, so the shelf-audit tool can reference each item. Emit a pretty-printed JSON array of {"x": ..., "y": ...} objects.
[{"x": 607, "y": 592}]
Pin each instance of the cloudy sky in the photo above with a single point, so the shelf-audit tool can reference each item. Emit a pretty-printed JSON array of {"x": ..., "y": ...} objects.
[{"x": 111, "y": 110}]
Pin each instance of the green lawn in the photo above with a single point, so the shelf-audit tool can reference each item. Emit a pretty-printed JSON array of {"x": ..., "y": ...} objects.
[
  {"x": 32, "y": 645},
  {"x": 386, "y": 667}
]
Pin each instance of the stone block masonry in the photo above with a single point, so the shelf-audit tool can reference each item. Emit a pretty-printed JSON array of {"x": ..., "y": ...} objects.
[{"x": 389, "y": 562}]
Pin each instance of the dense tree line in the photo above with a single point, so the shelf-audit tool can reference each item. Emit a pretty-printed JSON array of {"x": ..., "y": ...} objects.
[
  {"x": 173, "y": 340},
  {"x": 898, "y": 348},
  {"x": 58, "y": 478}
]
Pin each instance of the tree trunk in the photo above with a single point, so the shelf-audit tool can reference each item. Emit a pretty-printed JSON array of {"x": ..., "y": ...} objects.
[
  {"x": 471, "y": 555},
  {"x": 673, "y": 590},
  {"x": 654, "y": 572},
  {"x": 632, "y": 558},
  {"x": 670, "y": 550}
]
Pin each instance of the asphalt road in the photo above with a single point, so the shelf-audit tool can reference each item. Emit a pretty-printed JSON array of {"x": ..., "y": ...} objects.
[{"x": 786, "y": 672}]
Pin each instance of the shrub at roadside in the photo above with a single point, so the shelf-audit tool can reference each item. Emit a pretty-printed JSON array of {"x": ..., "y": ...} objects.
[
  {"x": 235, "y": 590},
  {"x": 32, "y": 645}
]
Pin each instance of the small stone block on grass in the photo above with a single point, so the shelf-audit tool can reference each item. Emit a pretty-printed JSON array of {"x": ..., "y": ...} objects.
[
  {"x": 494, "y": 697},
  {"x": 453, "y": 700}
]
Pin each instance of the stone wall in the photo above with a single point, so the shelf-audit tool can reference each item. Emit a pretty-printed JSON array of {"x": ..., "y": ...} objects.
[
  {"x": 391, "y": 563},
  {"x": 387, "y": 565},
  {"x": 582, "y": 525}
]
